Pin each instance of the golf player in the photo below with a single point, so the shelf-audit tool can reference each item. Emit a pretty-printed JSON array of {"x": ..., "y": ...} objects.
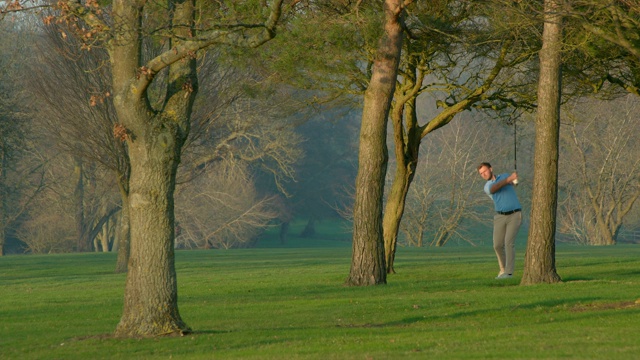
[{"x": 507, "y": 219}]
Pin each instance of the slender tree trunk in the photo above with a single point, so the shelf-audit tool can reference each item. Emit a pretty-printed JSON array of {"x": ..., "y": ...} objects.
[
  {"x": 78, "y": 200},
  {"x": 539, "y": 264},
  {"x": 393, "y": 211},
  {"x": 406, "y": 152},
  {"x": 104, "y": 238},
  {"x": 284, "y": 232},
  {"x": 368, "y": 259}
]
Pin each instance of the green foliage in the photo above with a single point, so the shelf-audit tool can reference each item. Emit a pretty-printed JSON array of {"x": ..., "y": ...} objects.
[
  {"x": 263, "y": 303},
  {"x": 327, "y": 48},
  {"x": 602, "y": 46}
]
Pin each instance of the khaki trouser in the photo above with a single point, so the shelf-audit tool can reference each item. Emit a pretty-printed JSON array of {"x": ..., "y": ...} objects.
[{"x": 505, "y": 228}]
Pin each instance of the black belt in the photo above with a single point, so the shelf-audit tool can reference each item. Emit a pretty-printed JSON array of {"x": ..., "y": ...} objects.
[{"x": 508, "y": 212}]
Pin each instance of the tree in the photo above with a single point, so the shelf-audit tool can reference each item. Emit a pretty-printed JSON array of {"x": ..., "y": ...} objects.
[
  {"x": 462, "y": 56},
  {"x": 156, "y": 125},
  {"x": 49, "y": 225},
  {"x": 223, "y": 209},
  {"x": 539, "y": 264},
  {"x": 21, "y": 176},
  {"x": 329, "y": 165},
  {"x": 442, "y": 47},
  {"x": 601, "y": 169},
  {"x": 440, "y": 203},
  {"x": 81, "y": 125},
  {"x": 367, "y": 261},
  {"x": 222, "y": 203},
  {"x": 605, "y": 37}
]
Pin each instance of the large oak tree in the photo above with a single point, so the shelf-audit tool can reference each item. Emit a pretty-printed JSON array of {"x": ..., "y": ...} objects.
[{"x": 155, "y": 124}]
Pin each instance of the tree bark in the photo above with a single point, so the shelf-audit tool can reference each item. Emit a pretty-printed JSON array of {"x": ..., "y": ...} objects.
[
  {"x": 367, "y": 262},
  {"x": 539, "y": 266},
  {"x": 151, "y": 298},
  {"x": 124, "y": 235}
]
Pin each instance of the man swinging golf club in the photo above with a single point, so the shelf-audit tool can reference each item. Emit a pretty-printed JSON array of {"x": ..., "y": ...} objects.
[{"x": 508, "y": 217}]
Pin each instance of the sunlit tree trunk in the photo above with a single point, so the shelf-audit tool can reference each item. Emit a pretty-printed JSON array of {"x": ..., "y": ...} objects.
[
  {"x": 406, "y": 152},
  {"x": 367, "y": 262},
  {"x": 539, "y": 266},
  {"x": 155, "y": 141}
]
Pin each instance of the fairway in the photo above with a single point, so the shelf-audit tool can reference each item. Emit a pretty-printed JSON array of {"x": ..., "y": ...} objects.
[{"x": 274, "y": 303}]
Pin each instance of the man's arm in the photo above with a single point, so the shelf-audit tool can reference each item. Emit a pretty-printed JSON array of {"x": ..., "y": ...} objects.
[{"x": 502, "y": 183}]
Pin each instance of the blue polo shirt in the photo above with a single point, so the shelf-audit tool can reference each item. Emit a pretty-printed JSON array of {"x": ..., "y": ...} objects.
[{"x": 504, "y": 199}]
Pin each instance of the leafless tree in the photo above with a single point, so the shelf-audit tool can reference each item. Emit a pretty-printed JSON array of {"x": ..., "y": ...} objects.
[
  {"x": 76, "y": 116},
  {"x": 21, "y": 170},
  {"x": 222, "y": 209},
  {"x": 255, "y": 132},
  {"x": 59, "y": 196},
  {"x": 445, "y": 196},
  {"x": 601, "y": 169}
]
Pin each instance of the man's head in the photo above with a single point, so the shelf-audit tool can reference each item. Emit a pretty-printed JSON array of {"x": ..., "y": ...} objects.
[{"x": 485, "y": 170}]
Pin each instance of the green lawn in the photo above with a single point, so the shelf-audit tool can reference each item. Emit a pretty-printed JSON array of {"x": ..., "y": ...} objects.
[{"x": 275, "y": 303}]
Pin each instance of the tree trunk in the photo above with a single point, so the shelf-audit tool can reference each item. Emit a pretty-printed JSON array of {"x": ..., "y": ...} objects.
[
  {"x": 284, "y": 232},
  {"x": 406, "y": 151},
  {"x": 367, "y": 262},
  {"x": 155, "y": 141},
  {"x": 310, "y": 229},
  {"x": 606, "y": 224},
  {"x": 78, "y": 200},
  {"x": 104, "y": 238},
  {"x": 151, "y": 297},
  {"x": 393, "y": 211},
  {"x": 539, "y": 266},
  {"x": 605, "y": 231}
]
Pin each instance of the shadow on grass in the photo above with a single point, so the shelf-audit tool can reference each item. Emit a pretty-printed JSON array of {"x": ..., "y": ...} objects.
[
  {"x": 577, "y": 279},
  {"x": 111, "y": 336},
  {"x": 210, "y": 332},
  {"x": 397, "y": 323}
]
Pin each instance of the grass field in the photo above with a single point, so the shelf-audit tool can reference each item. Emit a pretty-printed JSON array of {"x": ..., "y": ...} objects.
[{"x": 290, "y": 302}]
